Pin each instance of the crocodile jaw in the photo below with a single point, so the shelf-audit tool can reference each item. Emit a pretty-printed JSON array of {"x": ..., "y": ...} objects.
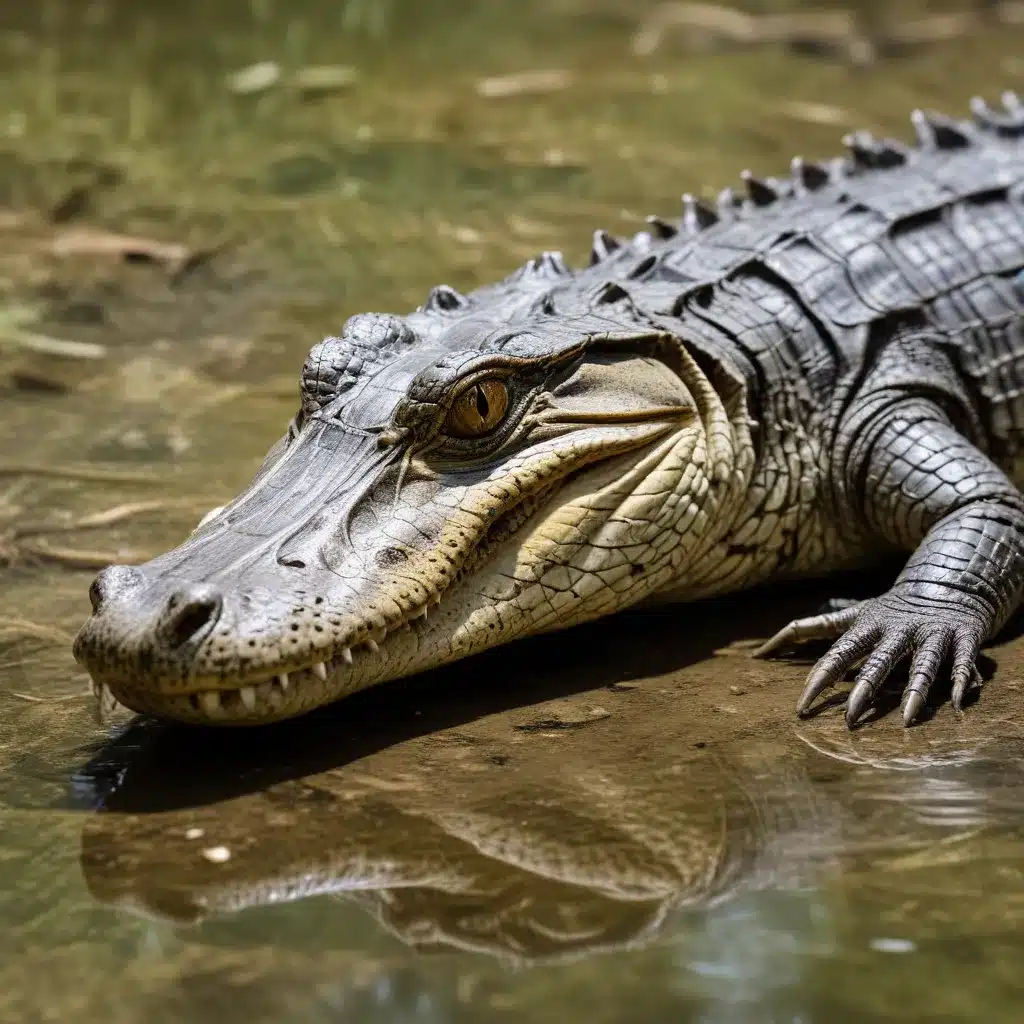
[{"x": 517, "y": 578}]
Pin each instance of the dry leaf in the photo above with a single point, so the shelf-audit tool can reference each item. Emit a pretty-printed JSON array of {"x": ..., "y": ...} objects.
[
  {"x": 319, "y": 79},
  {"x": 524, "y": 83},
  {"x": 96, "y": 242},
  {"x": 254, "y": 78}
]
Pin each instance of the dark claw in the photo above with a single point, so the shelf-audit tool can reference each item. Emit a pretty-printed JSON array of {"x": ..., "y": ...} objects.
[
  {"x": 846, "y": 652},
  {"x": 927, "y": 662},
  {"x": 875, "y": 671},
  {"x": 880, "y": 633},
  {"x": 912, "y": 708},
  {"x": 859, "y": 699},
  {"x": 963, "y": 684},
  {"x": 816, "y": 684},
  {"x": 824, "y": 675}
]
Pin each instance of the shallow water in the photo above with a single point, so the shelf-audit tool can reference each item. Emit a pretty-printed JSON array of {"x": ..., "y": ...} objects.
[{"x": 621, "y": 823}]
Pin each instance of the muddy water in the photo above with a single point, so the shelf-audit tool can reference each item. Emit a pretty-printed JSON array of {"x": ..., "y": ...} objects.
[{"x": 622, "y": 823}]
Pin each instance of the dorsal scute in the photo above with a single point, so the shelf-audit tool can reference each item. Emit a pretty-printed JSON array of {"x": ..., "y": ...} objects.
[
  {"x": 870, "y": 153},
  {"x": 336, "y": 363},
  {"x": 1008, "y": 122},
  {"x": 603, "y": 245},
  {"x": 705, "y": 244},
  {"x": 697, "y": 215},
  {"x": 807, "y": 175},
  {"x": 662, "y": 229},
  {"x": 761, "y": 192},
  {"x": 936, "y": 131},
  {"x": 444, "y": 299}
]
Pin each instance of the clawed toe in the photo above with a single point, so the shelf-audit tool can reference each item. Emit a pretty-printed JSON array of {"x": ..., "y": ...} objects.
[
  {"x": 877, "y": 636},
  {"x": 827, "y": 626}
]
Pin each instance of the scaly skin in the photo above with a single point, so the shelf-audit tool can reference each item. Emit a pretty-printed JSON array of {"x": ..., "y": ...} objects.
[{"x": 814, "y": 375}]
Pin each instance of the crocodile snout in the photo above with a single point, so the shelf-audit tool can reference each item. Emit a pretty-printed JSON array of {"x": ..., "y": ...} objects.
[
  {"x": 189, "y": 615},
  {"x": 140, "y": 623},
  {"x": 111, "y": 582}
]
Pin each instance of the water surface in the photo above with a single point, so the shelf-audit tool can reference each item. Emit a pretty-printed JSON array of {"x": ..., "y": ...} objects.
[{"x": 621, "y": 823}]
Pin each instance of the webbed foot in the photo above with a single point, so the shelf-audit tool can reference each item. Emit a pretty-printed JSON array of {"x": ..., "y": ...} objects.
[{"x": 877, "y": 635}]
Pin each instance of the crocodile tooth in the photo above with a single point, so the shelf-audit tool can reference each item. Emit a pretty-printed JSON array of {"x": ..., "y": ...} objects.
[
  {"x": 420, "y": 613},
  {"x": 210, "y": 699},
  {"x": 346, "y": 655},
  {"x": 379, "y": 634},
  {"x": 105, "y": 704},
  {"x": 283, "y": 680},
  {"x": 248, "y": 697},
  {"x": 320, "y": 671},
  {"x": 1012, "y": 103},
  {"x": 372, "y": 644}
]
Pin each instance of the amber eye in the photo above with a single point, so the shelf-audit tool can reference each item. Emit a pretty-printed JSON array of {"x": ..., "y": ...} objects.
[{"x": 478, "y": 409}]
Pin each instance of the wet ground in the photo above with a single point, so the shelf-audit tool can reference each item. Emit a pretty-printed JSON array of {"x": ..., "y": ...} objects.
[{"x": 621, "y": 823}]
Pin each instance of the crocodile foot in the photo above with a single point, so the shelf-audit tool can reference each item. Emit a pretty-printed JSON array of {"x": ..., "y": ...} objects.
[{"x": 877, "y": 635}]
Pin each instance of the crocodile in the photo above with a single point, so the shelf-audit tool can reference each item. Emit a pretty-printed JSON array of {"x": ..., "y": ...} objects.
[{"x": 815, "y": 373}]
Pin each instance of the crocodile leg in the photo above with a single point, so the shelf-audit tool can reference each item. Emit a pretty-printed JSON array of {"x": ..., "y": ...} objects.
[{"x": 926, "y": 488}]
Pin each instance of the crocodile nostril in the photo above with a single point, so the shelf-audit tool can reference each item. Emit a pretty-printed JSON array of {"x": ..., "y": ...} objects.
[
  {"x": 189, "y": 612},
  {"x": 115, "y": 579}
]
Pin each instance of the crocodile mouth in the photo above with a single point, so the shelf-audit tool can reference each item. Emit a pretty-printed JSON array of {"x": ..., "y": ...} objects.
[{"x": 260, "y": 698}]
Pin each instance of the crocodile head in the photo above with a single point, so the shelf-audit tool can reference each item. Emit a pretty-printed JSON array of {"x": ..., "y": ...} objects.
[{"x": 478, "y": 471}]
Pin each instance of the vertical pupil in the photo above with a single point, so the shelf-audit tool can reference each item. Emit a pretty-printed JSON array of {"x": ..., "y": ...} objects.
[{"x": 482, "y": 407}]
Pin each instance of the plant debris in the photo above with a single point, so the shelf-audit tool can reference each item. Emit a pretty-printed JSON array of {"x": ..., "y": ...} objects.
[
  {"x": 320, "y": 79},
  {"x": 87, "y": 474},
  {"x": 15, "y": 333},
  {"x": 841, "y": 31},
  {"x": 254, "y": 78},
  {"x": 84, "y": 241},
  {"x": 523, "y": 83}
]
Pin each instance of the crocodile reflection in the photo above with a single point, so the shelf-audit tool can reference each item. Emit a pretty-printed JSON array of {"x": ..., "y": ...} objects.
[
  {"x": 583, "y": 863},
  {"x": 572, "y": 853}
]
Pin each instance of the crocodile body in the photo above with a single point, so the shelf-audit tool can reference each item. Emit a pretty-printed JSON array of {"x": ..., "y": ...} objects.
[{"x": 820, "y": 371}]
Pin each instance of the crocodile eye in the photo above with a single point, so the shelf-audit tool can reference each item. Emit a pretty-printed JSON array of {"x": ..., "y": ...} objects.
[{"x": 478, "y": 409}]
